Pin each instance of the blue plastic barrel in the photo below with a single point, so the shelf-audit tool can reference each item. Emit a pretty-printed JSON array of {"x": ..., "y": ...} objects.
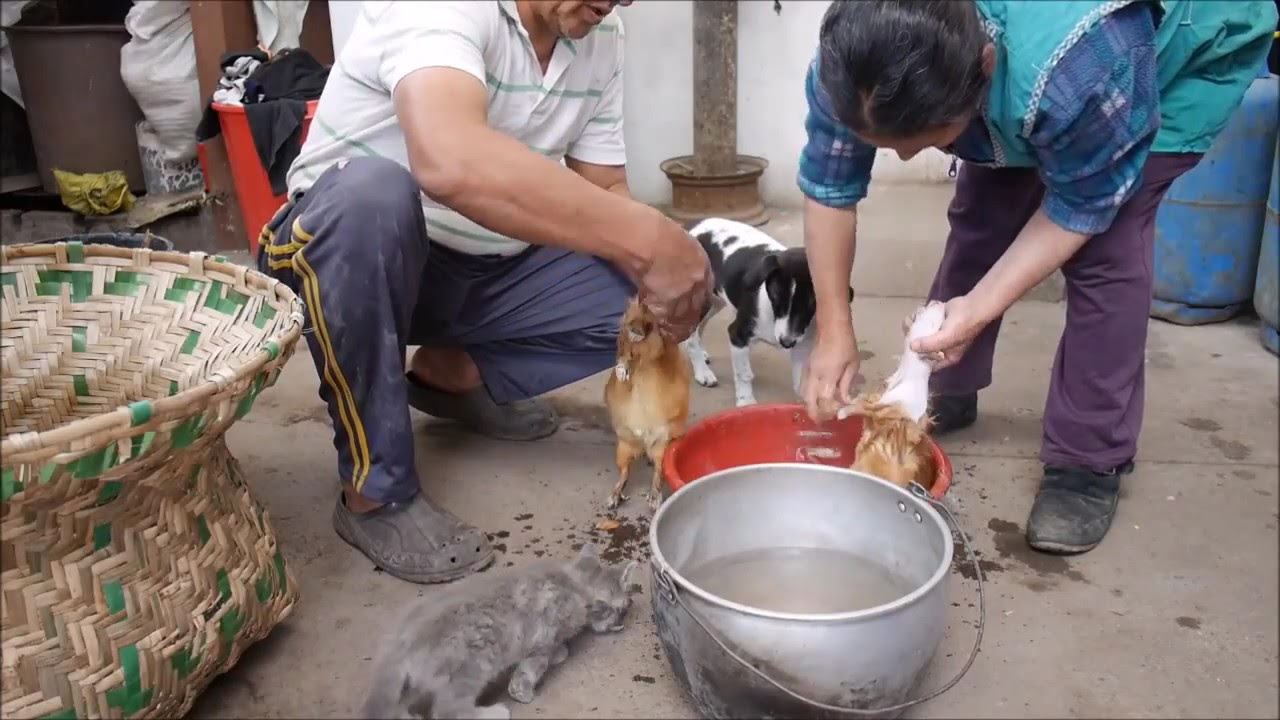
[
  {"x": 1209, "y": 227},
  {"x": 1266, "y": 292}
]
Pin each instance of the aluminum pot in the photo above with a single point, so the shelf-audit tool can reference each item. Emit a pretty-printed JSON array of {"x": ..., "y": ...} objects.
[{"x": 737, "y": 661}]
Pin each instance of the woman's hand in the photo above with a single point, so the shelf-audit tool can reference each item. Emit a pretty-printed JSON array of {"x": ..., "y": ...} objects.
[
  {"x": 1040, "y": 248},
  {"x": 831, "y": 373},
  {"x": 961, "y": 325}
]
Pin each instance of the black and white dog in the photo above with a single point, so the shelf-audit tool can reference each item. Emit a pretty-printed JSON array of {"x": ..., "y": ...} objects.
[{"x": 771, "y": 292}]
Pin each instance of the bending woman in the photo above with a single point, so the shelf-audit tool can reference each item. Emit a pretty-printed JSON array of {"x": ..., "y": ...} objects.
[{"x": 1072, "y": 118}]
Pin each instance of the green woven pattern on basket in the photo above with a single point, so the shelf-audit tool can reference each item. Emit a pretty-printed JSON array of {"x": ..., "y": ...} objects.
[
  {"x": 10, "y": 485},
  {"x": 263, "y": 588},
  {"x": 132, "y": 278},
  {"x": 131, "y": 698},
  {"x": 188, "y": 432},
  {"x": 247, "y": 403},
  {"x": 127, "y": 283},
  {"x": 101, "y": 536},
  {"x": 184, "y": 663},
  {"x": 231, "y": 622},
  {"x": 140, "y": 412},
  {"x": 113, "y": 594},
  {"x": 141, "y": 443},
  {"x": 109, "y": 491},
  {"x": 10, "y": 280},
  {"x": 224, "y": 299},
  {"x": 53, "y": 282},
  {"x": 123, "y": 288},
  {"x": 265, "y": 314},
  {"x": 75, "y": 252},
  {"x": 181, "y": 287},
  {"x": 278, "y": 560},
  {"x": 94, "y": 464}
]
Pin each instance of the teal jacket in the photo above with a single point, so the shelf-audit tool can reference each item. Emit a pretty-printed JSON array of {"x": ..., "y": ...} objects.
[{"x": 1208, "y": 52}]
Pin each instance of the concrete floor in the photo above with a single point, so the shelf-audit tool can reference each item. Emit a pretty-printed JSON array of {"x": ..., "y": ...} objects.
[{"x": 1175, "y": 615}]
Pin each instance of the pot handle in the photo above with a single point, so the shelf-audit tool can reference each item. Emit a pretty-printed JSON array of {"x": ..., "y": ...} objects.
[{"x": 669, "y": 591}]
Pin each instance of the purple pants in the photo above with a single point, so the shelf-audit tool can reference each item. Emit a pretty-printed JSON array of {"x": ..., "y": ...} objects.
[{"x": 1093, "y": 413}]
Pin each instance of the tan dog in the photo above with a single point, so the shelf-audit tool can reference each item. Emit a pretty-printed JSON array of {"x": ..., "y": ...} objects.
[
  {"x": 648, "y": 397},
  {"x": 894, "y": 444}
]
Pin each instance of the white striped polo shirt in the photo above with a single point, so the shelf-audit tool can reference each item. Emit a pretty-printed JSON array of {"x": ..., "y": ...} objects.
[{"x": 575, "y": 110}]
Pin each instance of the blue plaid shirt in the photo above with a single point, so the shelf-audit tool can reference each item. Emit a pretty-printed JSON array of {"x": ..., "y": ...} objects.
[{"x": 1092, "y": 134}]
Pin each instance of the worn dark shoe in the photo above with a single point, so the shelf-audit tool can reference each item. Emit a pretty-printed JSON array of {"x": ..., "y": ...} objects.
[
  {"x": 953, "y": 412},
  {"x": 1074, "y": 509},
  {"x": 414, "y": 540},
  {"x": 520, "y": 420}
]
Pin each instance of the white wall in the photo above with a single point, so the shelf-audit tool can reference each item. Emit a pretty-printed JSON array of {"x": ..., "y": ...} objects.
[{"x": 773, "y": 53}]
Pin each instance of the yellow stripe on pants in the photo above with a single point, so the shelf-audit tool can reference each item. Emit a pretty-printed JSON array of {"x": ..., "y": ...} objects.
[
  {"x": 347, "y": 412},
  {"x": 299, "y": 239}
]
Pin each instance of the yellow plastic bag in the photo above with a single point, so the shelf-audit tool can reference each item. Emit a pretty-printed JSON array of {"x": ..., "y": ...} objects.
[{"x": 94, "y": 193}]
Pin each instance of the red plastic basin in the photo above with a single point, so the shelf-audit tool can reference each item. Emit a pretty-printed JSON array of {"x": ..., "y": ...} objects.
[{"x": 774, "y": 433}]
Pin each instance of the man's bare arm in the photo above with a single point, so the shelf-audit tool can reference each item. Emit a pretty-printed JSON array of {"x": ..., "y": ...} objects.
[
  {"x": 498, "y": 183},
  {"x": 610, "y": 177}
]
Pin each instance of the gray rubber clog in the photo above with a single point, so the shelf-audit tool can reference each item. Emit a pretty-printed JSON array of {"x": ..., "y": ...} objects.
[{"x": 414, "y": 540}]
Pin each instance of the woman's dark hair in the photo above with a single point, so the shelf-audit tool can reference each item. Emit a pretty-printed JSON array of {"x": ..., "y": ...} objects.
[{"x": 896, "y": 68}]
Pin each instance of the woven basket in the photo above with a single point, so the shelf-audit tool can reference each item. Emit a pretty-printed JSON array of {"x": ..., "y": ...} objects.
[{"x": 137, "y": 565}]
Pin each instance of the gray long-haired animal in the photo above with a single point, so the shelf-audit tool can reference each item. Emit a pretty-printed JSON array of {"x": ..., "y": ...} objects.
[{"x": 453, "y": 645}]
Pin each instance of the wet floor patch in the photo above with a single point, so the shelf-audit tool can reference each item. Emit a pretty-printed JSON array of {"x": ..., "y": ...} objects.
[
  {"x": 1200, "y": 424},
  {"x": 961, "y": 563},
  {"x": 627, "y": 540},
  {"x": 315, "y": 414},
  {"x": 1230, "y": 449},
  {"x": 1011, "y": 544},
  {"x": 617, "y": 539}
]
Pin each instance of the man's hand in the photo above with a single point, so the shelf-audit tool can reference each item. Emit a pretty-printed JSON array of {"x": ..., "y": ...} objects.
[
  {"x": 831, "y": 374},
  {"x": 677, "y": 281},
  {"x": 676, "y": 285}
]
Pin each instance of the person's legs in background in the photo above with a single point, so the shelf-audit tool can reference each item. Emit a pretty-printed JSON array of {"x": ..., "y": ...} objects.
[
  {"x": 1094, "y": 409},
  {"x": 989, "y": 209},
  {"x": 355, "y": 249}
]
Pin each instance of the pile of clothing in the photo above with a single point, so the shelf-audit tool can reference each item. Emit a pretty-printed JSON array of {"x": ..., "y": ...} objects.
[{"x": 274, "y": 92}]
